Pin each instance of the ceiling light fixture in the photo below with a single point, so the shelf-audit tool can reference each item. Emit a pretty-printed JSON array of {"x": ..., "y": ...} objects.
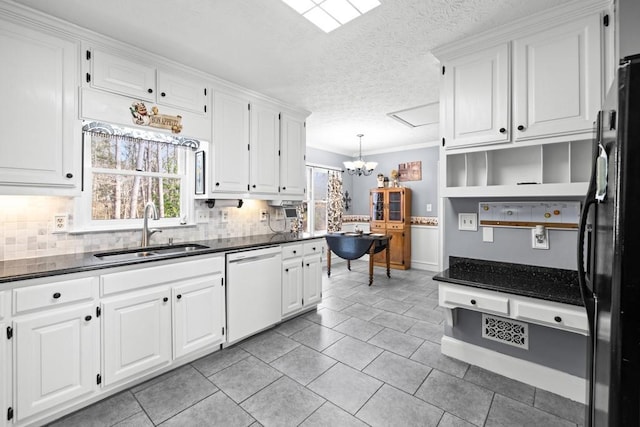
[
  {"x": 360, "y": 167},
  {"x": 331, "y": 14}
]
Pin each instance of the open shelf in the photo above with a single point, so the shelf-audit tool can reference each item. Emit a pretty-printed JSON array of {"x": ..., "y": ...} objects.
[{"x": 557, "y": 169}]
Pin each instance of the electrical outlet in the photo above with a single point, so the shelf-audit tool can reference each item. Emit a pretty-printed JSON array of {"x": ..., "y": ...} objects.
[
  {"x": 224, "y": 215},
  {"x": 202, "y": 216},
  {"x": 539, "y": 238},
  {"x": 468, "y": 221},
  {"x": 429, "y": 207},
  {"x": 263, "y": 214},
  {"x": 60, "y": 223}
]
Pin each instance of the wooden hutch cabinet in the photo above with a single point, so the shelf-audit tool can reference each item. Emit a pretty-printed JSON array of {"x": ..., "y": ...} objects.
[{"x": 391, "y": 214}]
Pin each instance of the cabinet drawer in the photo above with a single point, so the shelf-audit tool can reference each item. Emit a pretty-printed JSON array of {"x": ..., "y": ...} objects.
[
  {"x": 552, "y": 315},
  {"x": 314, "y": 247},
  {"x": 452, "y": 298},
  {"x": 54, "y": 294},
  {"x": 395, "y": 226},
  {"x": 292, "y": 251}
]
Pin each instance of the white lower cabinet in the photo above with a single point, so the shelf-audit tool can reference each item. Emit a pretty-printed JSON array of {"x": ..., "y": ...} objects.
[
  {"x": 57, "y": 358},
  {"x": 6, "y": 408},
  {"x": 136, "y": 333},
  {"x": 301, "y": 276},
  {"x": 198, "y": 314}
]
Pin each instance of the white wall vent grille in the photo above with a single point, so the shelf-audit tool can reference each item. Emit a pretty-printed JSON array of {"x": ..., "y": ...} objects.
[{"x": 506, "y": 331}]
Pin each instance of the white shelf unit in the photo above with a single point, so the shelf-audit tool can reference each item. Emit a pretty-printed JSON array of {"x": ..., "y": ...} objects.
[{"x": 557, "y": 169}]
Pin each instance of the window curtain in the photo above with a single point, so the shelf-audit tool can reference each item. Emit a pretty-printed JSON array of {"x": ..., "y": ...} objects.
[{"x": 335, "y": 205}]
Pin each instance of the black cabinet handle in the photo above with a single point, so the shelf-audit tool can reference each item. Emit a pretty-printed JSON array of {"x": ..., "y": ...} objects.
[
  {"x": 473, "y": 302},
  {"x": 69, "y": 175},
  {"x": 520, "y": 127},
  {"x": 313, "y": 248},
  {"x": 87, "y": 318},
  {"x": 294, "y": 252},
  {"x": 503, "y": 130},
  {"x": 217, "y": 184},
  {"x": 307, "y": 265},
  {"x": 284, "y": 188},
  {"x": 56, "y": 295},
  {"x": 254, "y": 186},
  {"x": 163, "y": 94},
  {"x": 150, "y": 90},
  {"x": 286, "y": 270},
  {"x": 179, "y": 296},
  {"x": 165, "y": 299},
  {"x": 558, "y": 319}
]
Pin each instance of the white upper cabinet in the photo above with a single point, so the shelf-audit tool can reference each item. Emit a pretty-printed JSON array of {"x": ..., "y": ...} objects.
[
  {"x": 122, "y": 75},
  {"x": 230, "y": 146},
  {"x": 476, "y": 90},
  {"x": 542, "y": 83},
  {"x": 137, "y": 79},
  {"x": 557, "y": 80},
  {"x": 41, "y": 135},
  {"x": 292, "y": 156},
  {"x": 265, "y": 147},
  {"x": 188, "y": 94}
]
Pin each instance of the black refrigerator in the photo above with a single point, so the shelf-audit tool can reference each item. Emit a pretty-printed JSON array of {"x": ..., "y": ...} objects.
[{"x": 609, "y": 256}]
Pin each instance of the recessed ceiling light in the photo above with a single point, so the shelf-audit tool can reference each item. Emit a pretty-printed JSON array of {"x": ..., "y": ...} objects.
[
  {"x": 330, "y": 14},
  {"x": 341, "y": 10},
  {"x": 300, "y": 6},
  {"x": 322, "y": 19}
]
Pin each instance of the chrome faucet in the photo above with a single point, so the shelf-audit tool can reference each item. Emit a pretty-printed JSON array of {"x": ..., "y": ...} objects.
[{"x": 146, "y": 232}]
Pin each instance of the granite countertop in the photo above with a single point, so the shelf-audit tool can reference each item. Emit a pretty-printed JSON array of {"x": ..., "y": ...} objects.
[
  {"x": 552, "y": 284},
  {"x": 32, "y": 268}
]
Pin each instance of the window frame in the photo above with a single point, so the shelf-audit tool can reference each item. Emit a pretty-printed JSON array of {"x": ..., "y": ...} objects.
[
  {"x": 83, "y": 207},
  {"x": 310, "y": 200}
]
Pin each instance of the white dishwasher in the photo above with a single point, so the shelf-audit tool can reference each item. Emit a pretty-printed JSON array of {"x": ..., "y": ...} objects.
[{"x": 254, "y": 289}]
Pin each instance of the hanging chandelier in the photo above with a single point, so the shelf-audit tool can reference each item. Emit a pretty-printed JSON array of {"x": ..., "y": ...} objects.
[{"x": 360, "y": 167}]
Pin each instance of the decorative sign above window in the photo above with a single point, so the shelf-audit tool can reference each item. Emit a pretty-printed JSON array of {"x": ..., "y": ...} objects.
[{"x": 143, "y": 117}]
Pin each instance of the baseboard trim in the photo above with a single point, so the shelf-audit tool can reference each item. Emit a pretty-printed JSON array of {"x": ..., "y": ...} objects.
[
  {"x": 427, "y": 266},
  {"x": 539, "y": 376}
]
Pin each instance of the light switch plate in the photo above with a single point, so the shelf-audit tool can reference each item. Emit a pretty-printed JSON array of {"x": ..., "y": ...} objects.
[{"x": 468, "y": 221}]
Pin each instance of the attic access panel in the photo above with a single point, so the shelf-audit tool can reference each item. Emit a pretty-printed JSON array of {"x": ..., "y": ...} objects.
[{"x": 421, "y": 115}]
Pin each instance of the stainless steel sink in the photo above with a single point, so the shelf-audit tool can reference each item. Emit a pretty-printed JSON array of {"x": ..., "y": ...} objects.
[{"x": 157, "y": 251}]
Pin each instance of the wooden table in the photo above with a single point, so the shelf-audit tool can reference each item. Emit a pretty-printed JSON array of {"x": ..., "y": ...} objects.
[{"x": 351, "y": 246}]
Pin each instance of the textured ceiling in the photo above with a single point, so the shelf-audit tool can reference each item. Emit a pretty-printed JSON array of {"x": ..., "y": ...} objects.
[{"x": 349, "y": 79}]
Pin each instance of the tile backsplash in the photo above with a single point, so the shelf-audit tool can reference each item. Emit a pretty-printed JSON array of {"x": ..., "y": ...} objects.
[{"x": 27, "y": 225}]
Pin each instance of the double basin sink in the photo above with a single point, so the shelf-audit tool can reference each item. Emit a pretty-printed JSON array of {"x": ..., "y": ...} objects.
[{"x": 147, "y": 252}]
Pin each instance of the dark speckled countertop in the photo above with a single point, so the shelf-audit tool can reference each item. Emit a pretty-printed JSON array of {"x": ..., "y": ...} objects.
[
  {"x": 32, "y": 268},
  {"x": 552, "y": 284}
]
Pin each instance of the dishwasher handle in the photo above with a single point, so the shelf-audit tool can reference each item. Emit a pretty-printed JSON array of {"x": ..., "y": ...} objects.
[{"x": 253, "y": 258}]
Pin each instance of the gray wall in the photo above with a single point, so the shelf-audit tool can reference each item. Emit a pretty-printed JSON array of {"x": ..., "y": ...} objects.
[
  {"x": 561, "y": 350},
  {"x": 509, "y": 244},
  {"x": 423, "y": 192}
]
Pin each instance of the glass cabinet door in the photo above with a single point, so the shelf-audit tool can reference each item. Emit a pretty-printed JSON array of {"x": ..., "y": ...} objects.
[
  {"x": 377, "y": 208},
  {"x": 395, "y": 206}
]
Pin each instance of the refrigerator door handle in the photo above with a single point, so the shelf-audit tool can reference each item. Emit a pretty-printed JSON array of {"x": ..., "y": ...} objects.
[{"x": 602, "y": 172}]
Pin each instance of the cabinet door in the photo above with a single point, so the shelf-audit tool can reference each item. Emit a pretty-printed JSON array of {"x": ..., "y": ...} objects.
[
  {"x": 395, "y": 206},
  {"x": 198, "y": 314},
  {"x": 188, "y": 94},
  {"x": 123, "y": 75},
  {"x": 378, "y": 213},
  {"x": 230, "y": 143},
  {"x": 5, "y": 374},
  {"x": 557, "y": 80},
  {"x": 476, "y": 97},
  {"x": 312, "y": 279},
  {"x": 292, "y": 156},
  {"x": 292, "y": 279},
  {"x": 398, "y": 254},
  {"x": 136, "y": 334},
  {"x": 57, "y": 358},
  {"x": 265, "y": 146},
  {"x": 40, "y": 132}
]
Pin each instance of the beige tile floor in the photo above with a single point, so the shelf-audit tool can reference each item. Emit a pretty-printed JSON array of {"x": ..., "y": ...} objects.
[{"x": 367, "y": 356}]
